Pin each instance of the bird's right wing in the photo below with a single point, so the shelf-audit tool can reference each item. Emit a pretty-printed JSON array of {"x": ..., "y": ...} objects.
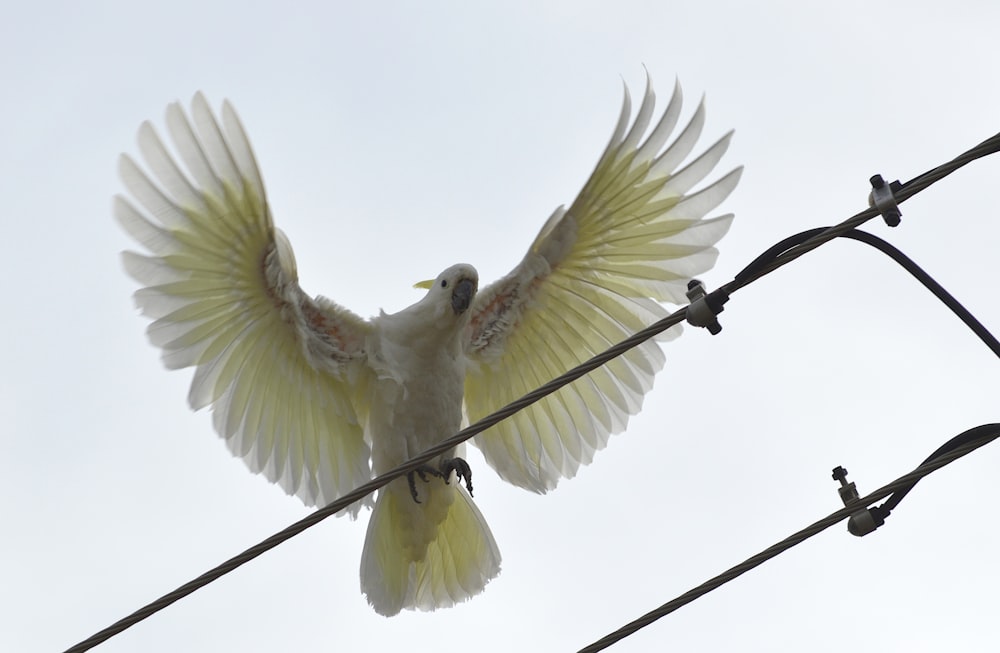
[{"x": 279, "y": 369}]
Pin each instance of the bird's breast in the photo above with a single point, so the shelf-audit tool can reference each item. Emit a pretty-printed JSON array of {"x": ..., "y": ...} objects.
[{"x": 416, "y": 402}]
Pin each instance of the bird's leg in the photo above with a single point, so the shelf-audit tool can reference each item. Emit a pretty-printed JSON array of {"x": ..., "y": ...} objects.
[{"x": 461, "y": 469}]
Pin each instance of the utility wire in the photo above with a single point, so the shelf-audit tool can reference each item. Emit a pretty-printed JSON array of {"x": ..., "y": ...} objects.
[
  {"x": 904, "y": 261},
  {"x": 906, "y": 191},
  {"x": 928, "y": 282},
  {"x": 984, "y": 434},
  {"x": 376, "y": 483}
]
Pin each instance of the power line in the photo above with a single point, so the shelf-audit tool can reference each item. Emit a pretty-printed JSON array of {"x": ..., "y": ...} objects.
[
  {"x": 719, "y": 296},
  {"x": 902, "y": 193},
  {"x": 984, "y": 434},
  {"x": 904, "y": 261}
]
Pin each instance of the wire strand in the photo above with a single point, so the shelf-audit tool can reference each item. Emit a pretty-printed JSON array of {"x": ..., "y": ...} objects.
[
  {"x": 990, "y": 433},
  {"x": 909, "y": 189}
]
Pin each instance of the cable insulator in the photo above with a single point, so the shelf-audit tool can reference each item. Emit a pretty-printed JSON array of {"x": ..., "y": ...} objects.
[
  {"x": 705, "y": 307},
  {"x": 883, "y": 198},
  {"x": 865, "y": 520}
]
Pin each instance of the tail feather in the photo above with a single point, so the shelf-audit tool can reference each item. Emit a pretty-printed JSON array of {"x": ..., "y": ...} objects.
[{"x": 428, "y": 555}]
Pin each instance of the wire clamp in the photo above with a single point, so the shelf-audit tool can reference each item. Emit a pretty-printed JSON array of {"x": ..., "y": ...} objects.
[
  {"x": 705, "y": 307},
  {"x": 865, "y": 520},
  {"x": 883, "y": 198}
]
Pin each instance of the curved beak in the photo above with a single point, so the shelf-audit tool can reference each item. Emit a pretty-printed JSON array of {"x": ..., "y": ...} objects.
[{"x": 461, "y": 296}]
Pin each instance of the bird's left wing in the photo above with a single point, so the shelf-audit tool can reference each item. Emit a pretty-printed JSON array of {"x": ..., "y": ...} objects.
[
  {"x": 595, "y": 274},
  {"x": 280, "y": 369}
]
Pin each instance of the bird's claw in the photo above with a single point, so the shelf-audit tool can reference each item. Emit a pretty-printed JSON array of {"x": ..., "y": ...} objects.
[
  {"x": 457, "y": 465},
  {"x": 461, "y": 469},
  {"x": 422, "y": 472}
]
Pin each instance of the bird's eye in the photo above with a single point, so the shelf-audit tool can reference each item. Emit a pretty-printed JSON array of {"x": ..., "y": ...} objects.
[{"x": 444, "y": 283}]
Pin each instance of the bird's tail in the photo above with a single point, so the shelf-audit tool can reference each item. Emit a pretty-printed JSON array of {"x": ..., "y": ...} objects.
[{"x": 427, "y": 555}]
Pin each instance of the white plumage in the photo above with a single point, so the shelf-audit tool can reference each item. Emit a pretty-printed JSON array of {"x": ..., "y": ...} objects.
[{"x": 316, "y": 398}]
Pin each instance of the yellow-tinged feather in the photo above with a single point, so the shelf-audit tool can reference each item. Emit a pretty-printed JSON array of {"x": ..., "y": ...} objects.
[
  {"x": 426, "y": 557},
  {"x": 633, "y": 235},
  {"x": 208, "y": 227}
]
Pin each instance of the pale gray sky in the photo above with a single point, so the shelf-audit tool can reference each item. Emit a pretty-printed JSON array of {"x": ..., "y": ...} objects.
[{"x": 397, "y": 140}]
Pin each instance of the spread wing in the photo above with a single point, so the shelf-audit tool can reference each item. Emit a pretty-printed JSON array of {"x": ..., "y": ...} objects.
[
  {"x": 595, "y": 274},
  {"x": 221, "y": 286}
]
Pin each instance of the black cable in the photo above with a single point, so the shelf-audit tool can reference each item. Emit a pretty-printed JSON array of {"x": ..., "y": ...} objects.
[
  {"x": 907, "y": 263},
  {"x": 961, "y": 440},
  {"x": 928, "y": 282},
  {"x": 970, "y": 441},
  {"x": 909, "y": 189}
]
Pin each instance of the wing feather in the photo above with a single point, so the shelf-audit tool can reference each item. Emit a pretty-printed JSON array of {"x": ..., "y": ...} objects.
[
  {"x": 665, "y": 163},
  {"x": 221, "y": 287},
  {"x": 165, "y": 169},
  {"x": 633, "y": 237}
]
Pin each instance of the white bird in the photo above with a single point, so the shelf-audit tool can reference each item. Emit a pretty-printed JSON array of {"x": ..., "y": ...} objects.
[{"x": 316, "y": 398}]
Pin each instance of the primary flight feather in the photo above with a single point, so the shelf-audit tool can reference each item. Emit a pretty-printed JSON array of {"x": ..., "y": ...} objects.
[{"x": 317, "y": 398}]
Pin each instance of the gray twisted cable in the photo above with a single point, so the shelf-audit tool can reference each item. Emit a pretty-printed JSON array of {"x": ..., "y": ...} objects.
[{"x": 785, "y": 544}]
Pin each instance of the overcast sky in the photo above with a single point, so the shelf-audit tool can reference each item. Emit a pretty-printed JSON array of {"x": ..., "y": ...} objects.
[{"x": 397, "y": 140}]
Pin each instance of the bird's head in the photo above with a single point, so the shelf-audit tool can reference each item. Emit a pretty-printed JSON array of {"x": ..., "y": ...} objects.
[{"x": 455, "y": 288}]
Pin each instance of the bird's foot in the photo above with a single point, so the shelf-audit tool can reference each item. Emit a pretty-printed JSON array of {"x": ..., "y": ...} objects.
[
  {"x": 422, "y": 472},
  {"x": 457, "y": 465},
  {"x": 461, "y": 469}
]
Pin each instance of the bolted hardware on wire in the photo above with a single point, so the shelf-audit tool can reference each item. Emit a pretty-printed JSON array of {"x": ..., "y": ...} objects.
[
  {"x": 705, "y": 307},
  {"x": 865, "y": 520},
  {"x": 883, "y": 198}
]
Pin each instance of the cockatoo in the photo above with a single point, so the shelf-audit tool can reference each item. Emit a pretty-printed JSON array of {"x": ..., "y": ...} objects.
[{"x": 317, "y": 399}]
